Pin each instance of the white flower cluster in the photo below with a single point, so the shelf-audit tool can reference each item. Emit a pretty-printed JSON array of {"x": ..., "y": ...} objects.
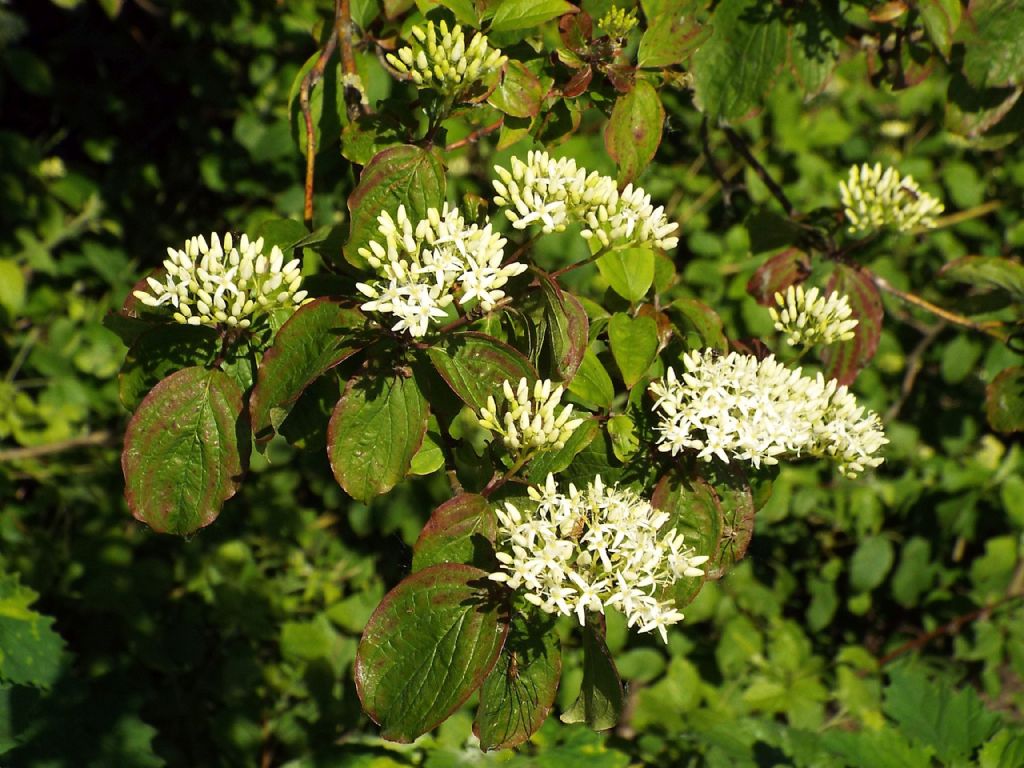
[
  {"x": 587, "y": 550},
  {"x": 556, "y": 193},
  {"x": 421, "y": 264},
  {"x": 530, "y": 423},
  {"x": 440, "y": 59},
  {"x": 809, "y": 318},
  {"x": 221, "y": 283},
  {"x": 736, "y": 407},
  {"x": 874, "y": 198}
]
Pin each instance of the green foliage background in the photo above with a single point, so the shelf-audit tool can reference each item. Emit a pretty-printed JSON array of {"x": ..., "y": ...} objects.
[{"x": 125, "y": 129}]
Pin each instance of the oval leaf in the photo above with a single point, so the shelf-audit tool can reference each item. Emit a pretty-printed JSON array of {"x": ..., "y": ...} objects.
[
  {"x": 633, "y": 132},
  {"x": 524, "y": 14},
  {"x": 474, "y": 365},
  {"x": 402, "y": 175},
  {"x": 516, "y": 697},
  {"x": 568, "y": 328},
  {"x": 634, "y": 343},
  {"x": 592, "y": 385},
  {"x": 375, "y": 430},
  {"x": 988, "y": 272},
  {"x": 313, "y": 341},
  {"x": 599, "y": 704},
  {"x": 672, "y": 35},
  {"x": 520, "y": 93},
  {"x": 1004, "y": 401},
  {"x": 158, "y": 353},
  {"x": 185, "y": 451},
  {"x": 427, "y": 647},
  {"x": 697, "y": 515},
  {"x": 846, "y": 358},
  {"x": 629, "y": 272},
  {"x": 462, "y": 530},
  {"x": 790, "y": 267},
  {"x": 736, "y": 500},
  {"x": 697, "y": 324}
]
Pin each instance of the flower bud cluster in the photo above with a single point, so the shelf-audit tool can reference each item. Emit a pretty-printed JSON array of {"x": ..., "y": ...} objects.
[
  {"x": 556, "y": 193},
  {"x": 421, "y": 265},
  {"x": 874, "y": 198},
  {"x": 440, "y": 59},
  {"x": 530, "y": 423},
  {"x": 807, "y": 318},
  {"x": 594, "y": 549},
  {"x": 223, "y": 284},
  {"x": 736, "y": 407},
  {"x": 618, "y": 22}
]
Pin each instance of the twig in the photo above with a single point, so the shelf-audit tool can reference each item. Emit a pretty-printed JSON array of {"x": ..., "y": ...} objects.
[
  {"x": 93, "y": 439},
  {"x": 945, "y": 314},
  {"x": 476, "y": 135},
  {"x": 343, "y": 27},
  {"x": 716, "y": 170},
  {"x": 954, "y": 626},
  {"x": 313, "y": 77},
  {"x": 470, "y": 318},
  {"x": 915, "y": 361},
  {"x": 741, "y": 146},
  {"x": 971, "y": 213}
]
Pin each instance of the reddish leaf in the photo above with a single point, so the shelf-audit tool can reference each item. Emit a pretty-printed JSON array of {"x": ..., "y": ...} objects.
[
  {"x": 578, "y": 83},
  {"x": 453, "y": 531},
  {"x": 846, "y": 358},
  {"x": 791, "y": 267}
]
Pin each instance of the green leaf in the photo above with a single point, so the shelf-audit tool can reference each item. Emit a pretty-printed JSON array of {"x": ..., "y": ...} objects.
[
  {"x": 915, "y": 573},
  {"x": 520, "y": 92},
  {"x": 430, "y": 457},
  {"x": 736, "y": 499},
  {"x": 697, "y": 515},
  {"x": 12, "y": 288},
  {"x": 993, "y": 43},
  {"x": 737, "y": 67},
  {"x": 525, "y": 14},
  {"x": 592, "y": 385},
  {"x": 427, "y": 647},
  {"x": 185, "y": 451},
  {"x": 815, "y": 36},
  {"x": 158, "y": 353},
  {"x": 885, "y": 748},
  {"x": 553, "y": 462},
  {"x": 1004, "y": 401},
  {"x": 568, "y": 328},
  {"x": 870, "y": 563},
  {"x": 846, "y": 358},
  {"x": 316, "y": 338},
  {"x": 954, "y": 722},
  {"x": 941, "y": 19},
  {"x": 375, "y": 430},
  {"x": 988, "y": 272},
  {"x": 623, "y": 433},
  {"x": 599, "y": 704},
  {"x": 516, "y": 697},
  {"x": 633, "y": 132},
  {"x": 629, "y": 272},
  {"x": 634, "y": 345},
  {"x": 672, "y": 35},
  {"x": 403, "y": 175},
  {"x": 697, "y": 324},
  {"x": 30, "y": 651},
  {"x": 1004, "y": 750},
  {"x": 461, "y": 530},
  {"x": 474, "y": 365}
]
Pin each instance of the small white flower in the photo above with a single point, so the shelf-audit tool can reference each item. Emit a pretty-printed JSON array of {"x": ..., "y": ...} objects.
[
  {"x": 439, "y": 58},
  {"x": 223, "y": 284},
  {"x": 736, "y": 407},
  {"x": 807, "y": 318},
  {"x": 420, "y": 266},
  {"x": 527, "y": 424},
  {"x": 874, "y": 198},
  {"x": 584, "y": 551},
  {"x": 555, "y": 193}
]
